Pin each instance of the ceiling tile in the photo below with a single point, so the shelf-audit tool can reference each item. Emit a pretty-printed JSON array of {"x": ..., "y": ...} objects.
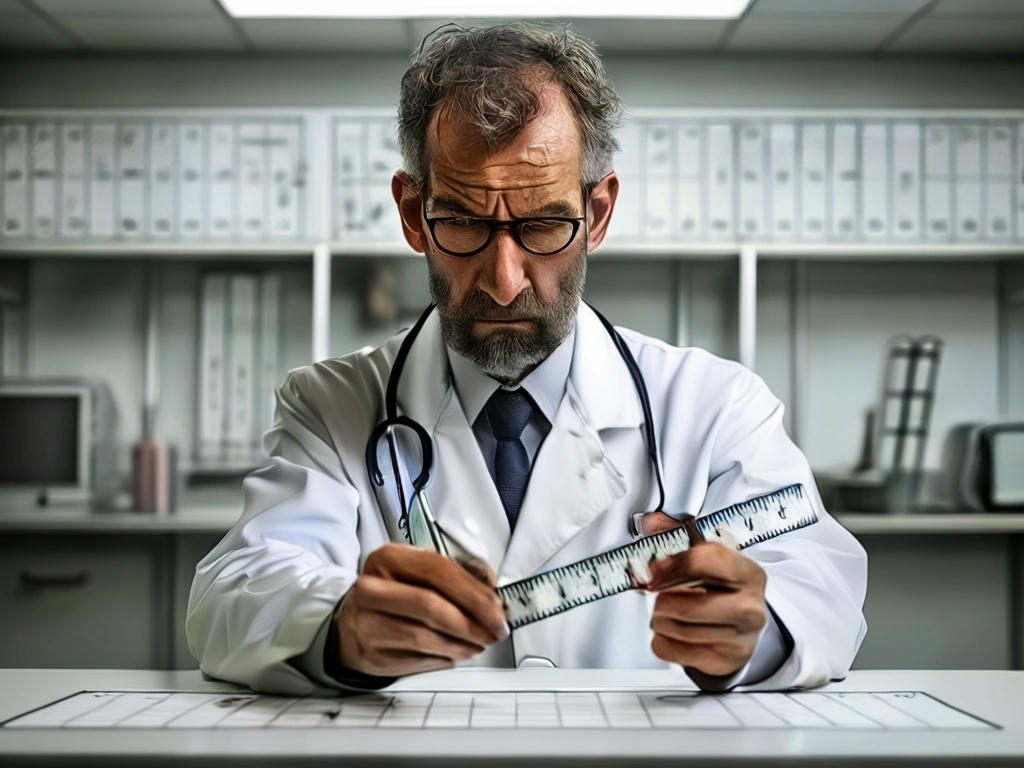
[
  {"x": 798, "y": 33},
  {"x": 378, "y": 35},
  {"x": 978, "y": 8},
  {"x": 128, "y": 7},
  {"x": 964, "y": 34},
  {"x": 29, "y": 32},
  {"x": 828, "y": 7},
  {"x": 144, "y": 33}
]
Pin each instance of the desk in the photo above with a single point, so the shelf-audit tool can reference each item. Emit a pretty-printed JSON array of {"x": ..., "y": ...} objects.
[{"x": 992, "y": 695}]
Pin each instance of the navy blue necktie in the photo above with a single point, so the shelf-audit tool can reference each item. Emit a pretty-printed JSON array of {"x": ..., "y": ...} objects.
[{"x": 508, "y": 413}]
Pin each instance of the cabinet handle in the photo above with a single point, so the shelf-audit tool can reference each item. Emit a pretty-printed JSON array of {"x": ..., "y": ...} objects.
[{"x": 31, "y": 580}]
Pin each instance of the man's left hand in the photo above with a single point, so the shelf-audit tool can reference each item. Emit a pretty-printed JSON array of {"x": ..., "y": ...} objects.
[{"x": 713, "y": 628}]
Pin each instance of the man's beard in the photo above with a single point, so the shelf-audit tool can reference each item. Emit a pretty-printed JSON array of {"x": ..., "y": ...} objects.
[{"x": 508, "y": 354}]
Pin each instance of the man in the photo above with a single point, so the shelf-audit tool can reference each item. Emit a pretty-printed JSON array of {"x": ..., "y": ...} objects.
[{"x": 539, "y": 451}]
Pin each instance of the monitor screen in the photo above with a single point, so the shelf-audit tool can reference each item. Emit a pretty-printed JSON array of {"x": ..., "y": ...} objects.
[{"x": 39, "y": 439}]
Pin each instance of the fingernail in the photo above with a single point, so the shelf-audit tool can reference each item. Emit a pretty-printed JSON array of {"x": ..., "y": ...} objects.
[{"x": 503, "y": 631}]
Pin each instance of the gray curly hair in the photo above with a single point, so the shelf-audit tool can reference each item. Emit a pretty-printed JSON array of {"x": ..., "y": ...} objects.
[{"x": 488, "y": 75}]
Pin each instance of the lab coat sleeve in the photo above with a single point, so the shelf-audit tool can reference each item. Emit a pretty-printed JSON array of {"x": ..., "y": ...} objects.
[
  {"x": 262, "y": 595},
  {"x": 816, "y": 576}
]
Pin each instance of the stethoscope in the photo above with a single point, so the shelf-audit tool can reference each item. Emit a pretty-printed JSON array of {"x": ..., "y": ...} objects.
[{"x": 417, "y": 520}]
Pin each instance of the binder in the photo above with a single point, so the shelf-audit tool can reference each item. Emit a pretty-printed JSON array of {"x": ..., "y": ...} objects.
[
  {"x": 15, "y": 201},
  {"x": 875, "y": 205},
  {"x": 690, "y": 192},
  {"x": 845, "y": 180},
  {"x": 812, "y": 181},
  {"x": 1019, "y": 176},
  {"x": 163, "y": 147},
  {"x": 44, "y": 180},
  {"x": 383, "y": 156},
  {"x": 347, "y": 174},
  {"x": 269, "y": 350},
  {"x": 222, "y": 181},
  {"x": 192, "y": 187},
  {"x": 720, "y": 221},
  {"x": 241, "y": 344},
  {"x": 132, "y": 173},
  {"x": 751, "y": 218},
  {"x": 253, "y": 180},
  {"x": 998, "y": 182},
  {"x": 382, "y": 223},
  {"x": 73, "y": 223},
  {"x": 967, "y": 181},
  {"x": 782, "y": 181},
  {"x": 102, "y": 165},
  {"x": 657, "y": 138},
  {"x": 285, "y": 189},
  {"x": 938, "y": 182},
  {"x": 212, "y": 367},
  {"x": 906, "y": 181},
  {"x": 628, "y": 161}
]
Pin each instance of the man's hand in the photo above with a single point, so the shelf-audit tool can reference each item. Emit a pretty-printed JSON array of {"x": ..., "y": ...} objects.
[
  {"x": 412, "y": 610},
  {"x": 713, "y": 628}
]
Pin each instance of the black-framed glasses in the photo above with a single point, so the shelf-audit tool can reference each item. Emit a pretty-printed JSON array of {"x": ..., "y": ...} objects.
[{"x": 468, "y": 235}]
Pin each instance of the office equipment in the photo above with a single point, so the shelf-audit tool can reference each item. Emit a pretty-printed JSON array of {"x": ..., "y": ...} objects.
[
  {"x": 677, "y": 709},
  {"x": 55, "y": 441},
  {"x": 984, "y": 463},
  {"x": 739, "y": 526}
]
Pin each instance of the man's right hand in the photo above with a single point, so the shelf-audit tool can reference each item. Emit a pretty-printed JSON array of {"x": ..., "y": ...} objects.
[{"x": 413, "y": 610}]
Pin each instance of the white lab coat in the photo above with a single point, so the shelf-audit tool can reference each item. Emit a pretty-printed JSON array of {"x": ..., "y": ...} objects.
[{"x": 312, "y": 514}]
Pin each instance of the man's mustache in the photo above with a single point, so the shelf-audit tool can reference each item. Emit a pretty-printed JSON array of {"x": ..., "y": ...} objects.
[{"x": 480, "y": 306}]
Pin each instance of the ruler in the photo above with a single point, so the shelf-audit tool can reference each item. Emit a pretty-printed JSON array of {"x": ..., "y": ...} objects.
[{"x": 739, "y": 526}]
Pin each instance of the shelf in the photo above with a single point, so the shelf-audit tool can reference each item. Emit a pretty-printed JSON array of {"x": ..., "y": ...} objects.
[{"x": 924, "y": 523}]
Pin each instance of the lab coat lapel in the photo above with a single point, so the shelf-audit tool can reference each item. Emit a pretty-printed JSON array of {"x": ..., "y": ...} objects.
[
  {"x": 461, "y": 492},
  {"x": 573, "y": 479}
]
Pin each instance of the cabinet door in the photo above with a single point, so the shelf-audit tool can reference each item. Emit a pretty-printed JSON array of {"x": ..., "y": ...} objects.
[{"x": 83, "y": 601}]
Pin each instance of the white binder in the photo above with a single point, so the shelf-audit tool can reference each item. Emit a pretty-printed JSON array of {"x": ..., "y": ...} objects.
[
  {"x": 720, "y": 182},
  {"x": 242, "y": 367},
  {"x": 254, "y": 180},
  {"x": 212, "y": 367},
  {"x": 383, "y": 224},
  {"x": 103, "y": 162},
  {"x": 15, "y": 201},
  {"x": 383, "y": 156},
  {"x": 813, "y": 210},
  {"x": 626, "y": 224},
  {"x": 132, "y": 173},
  {"x": 269, "y": 350},
  {"x": 192, "y": 181},
  {"x": 657, "y": 221},
  {"x": 751, "y": 216},
  {"x": 998, "y": 182},
  {"x": 782, "y": 181},
  {"x": 1019, "y": 175},
  {"x": 285, "y": 187},
  {"x": 163, "y": 145},
  {"x": 222, "y": 181},
  {"x": 845, "y": 180},
  {"x": 938, "y": 182},
  {"x": 906, "y": 181},
  {"x": 875, "y": 205},
  {"x": 968, "y": 181},
  {"x": 73, "y": 222},
  {"x": 348, "y": 176},
  {"x": 44, "y": 180},
  {"x": 690, "y": 172}
]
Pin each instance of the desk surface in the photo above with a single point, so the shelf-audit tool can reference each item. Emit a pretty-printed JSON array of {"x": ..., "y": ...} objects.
[{"x": 992, "y": 695}]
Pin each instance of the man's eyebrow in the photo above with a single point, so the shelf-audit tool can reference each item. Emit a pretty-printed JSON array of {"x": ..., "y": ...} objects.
[{"x": 558, "y": 208}]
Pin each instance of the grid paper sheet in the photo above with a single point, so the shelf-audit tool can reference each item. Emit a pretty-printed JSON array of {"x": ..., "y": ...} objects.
[{"x": 877, "y": 711}]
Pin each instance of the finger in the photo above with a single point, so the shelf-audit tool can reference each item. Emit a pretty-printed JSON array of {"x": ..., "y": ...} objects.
[
  {"x": 711, "y": 563},
  {"x": 699, "y": 634},
  {"x": 394, "y": 633},
  {"x": 708, "y": 659},
  {"x": 744, "y": 611},
  {"x": 481, "y": 571},
  {"x": 422, "y": 605},
  {"x": 421, "y": 567}
]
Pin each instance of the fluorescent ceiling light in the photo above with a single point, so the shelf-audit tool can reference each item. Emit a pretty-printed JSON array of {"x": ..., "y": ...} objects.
[{"x": 520, "y": 9}]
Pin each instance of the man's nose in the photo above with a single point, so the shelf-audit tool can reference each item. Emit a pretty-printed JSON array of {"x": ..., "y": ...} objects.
[{"x": 504, "y": 276}]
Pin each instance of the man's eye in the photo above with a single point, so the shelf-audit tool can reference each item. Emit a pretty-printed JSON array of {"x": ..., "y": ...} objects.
[{"x": 462, "y": 222}]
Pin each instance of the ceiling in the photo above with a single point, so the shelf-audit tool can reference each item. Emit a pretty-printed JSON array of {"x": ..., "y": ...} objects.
[{"x": 832, "y": 26}]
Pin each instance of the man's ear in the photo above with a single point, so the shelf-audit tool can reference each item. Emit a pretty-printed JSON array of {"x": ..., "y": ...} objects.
[
  {"x": 410, "y": 206},
  {"x": 602, "y": 202}
]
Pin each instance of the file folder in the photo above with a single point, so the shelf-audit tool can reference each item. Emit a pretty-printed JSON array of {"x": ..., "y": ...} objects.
[
  {"x": 192, "y": 181},
  {"x": 241, "y": 382},
  {"x": 253, "y": 180},
  {"x": 906, "y": 182},
  {"x": 162, "y": 182},
  {"x": 968, "y": 181},
  {"x": 285, "y": 185},
  {"x": 222, "y": 181},
  {"x": 73, "y": 212},
  {"x": 658, "y": 167},
  {"x": 44, "y": 180},
  {"x": 845, "y": 180},
  {"x": 938, "y": 182},
  {"x": 998, "y": 175},
  {"x": 782, "y": 181},
  {"x": 752, "y": 184},
  {"x": 690, "y": 189},
  {"x": 813, "y": 188},
  {"x": 720, "y": 182},
  {"x": 15, "y": 221},
  {"x": 132, "y": 173},
  {"x": 102, "y": 181},
  {"x": 875, "y": 205},
  {"x": 212, "y": 367}
]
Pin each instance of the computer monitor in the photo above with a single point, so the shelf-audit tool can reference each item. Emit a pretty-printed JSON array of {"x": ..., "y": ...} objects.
[{"x": 46, "y": 441}]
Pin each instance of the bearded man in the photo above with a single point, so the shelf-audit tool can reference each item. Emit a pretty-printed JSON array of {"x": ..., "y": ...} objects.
[{"x": 537, "y": 431}]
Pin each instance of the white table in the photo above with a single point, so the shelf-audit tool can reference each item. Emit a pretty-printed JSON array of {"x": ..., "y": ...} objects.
[{"x": 996, "y": 696}]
